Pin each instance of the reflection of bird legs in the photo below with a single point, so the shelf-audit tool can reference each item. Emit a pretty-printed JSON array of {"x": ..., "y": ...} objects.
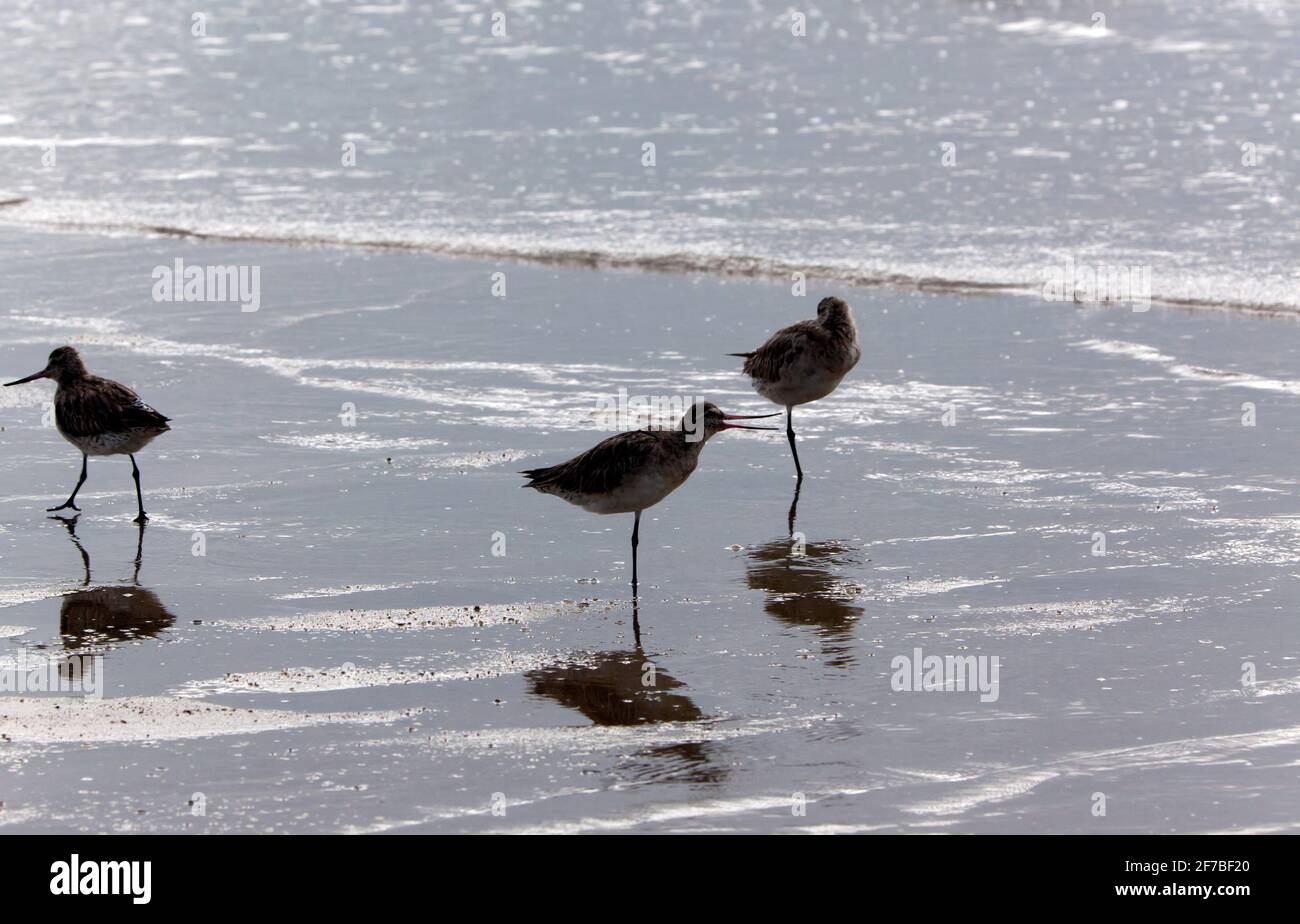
[
  {"x": 636, "y": 625},
  {"x": 70, "y": 524},
  {"x": 139, "y": 552},
  {"x": 794, "y": 504}
]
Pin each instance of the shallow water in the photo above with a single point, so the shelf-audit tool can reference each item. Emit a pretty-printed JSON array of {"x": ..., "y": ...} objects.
[
  {"x": 350, "y": 655},
  {"x": 1160, "y": 135}
]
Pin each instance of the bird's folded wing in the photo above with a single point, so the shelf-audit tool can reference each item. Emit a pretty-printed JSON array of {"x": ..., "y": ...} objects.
[
  {"x": 104, "y": 406},
  {"x": 601, "y": 468},
  {"x": 782, "y": 349}
]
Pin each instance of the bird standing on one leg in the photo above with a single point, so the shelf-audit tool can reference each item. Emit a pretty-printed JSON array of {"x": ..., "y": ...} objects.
[
  {"x": 98, "y": 416},
  {"x": 805, "y": 361},
  {"x": 632, "y": 471}
]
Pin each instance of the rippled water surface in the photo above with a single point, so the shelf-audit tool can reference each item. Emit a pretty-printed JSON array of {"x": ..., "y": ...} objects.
[
  {"x": 345, "y": 615},
  {"x": 1158, "y": 134},
  {"x": 350, "y": 655}
]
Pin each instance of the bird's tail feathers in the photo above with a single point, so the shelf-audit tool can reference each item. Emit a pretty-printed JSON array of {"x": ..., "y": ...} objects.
[{"x": 535, "y": 476}]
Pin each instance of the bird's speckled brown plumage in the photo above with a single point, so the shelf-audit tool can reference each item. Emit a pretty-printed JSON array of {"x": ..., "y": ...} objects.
[
  {"x": 805, "y": 361},
  {"x": 98, "y": 416},
  {"x": 91, "y": 410},
  {"x": 771, "y": 359},
  {"x": 610, "y": 465},
  {"x": 630, "y": 472}
]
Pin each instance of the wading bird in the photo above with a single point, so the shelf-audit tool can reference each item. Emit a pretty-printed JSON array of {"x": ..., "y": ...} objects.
[
  {"x": 98, "y": 416},
  {"x": 805, "y": 361},
  {"x": 632, "y": 471}
]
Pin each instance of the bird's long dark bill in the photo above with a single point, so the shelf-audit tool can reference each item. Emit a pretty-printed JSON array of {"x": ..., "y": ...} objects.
[
  {"x": 731, "y": 426},
  {"x": 31, "y": 378}
]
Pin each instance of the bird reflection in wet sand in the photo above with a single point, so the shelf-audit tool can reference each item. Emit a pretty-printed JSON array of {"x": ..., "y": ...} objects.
[
  {"x": 626, "y": 688},
  {"x": 804, "y": 588},
  {"x": 110, "y": 613}
]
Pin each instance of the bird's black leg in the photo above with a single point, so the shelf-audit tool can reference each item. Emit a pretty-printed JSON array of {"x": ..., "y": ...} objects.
[
  {"x": 636, "y": 624},
  {"x": 789, "y": 432},
  {"x": 139, "y": 500},
  {"x": 636, "y": 531},
  {"x": 69, "y": 502}
]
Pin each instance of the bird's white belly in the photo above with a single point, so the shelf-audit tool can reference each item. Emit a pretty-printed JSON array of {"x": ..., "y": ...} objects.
[
  {"x": 111, "y": 444},
  {"x": 637, "y": 492},
  {"x": 801, "y": 383}
]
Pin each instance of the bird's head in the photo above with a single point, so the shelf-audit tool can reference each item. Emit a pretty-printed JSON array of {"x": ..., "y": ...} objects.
[
  {"x": 64, "y": 365},
  {"x": 832, "y": 311},
  {"x": 704, "y": 419}
]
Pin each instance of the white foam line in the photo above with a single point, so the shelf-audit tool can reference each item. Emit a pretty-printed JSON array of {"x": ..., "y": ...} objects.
[
  {"x": 1276, "y": 687},
  {"x": 678, "y": 812},
  {"x": 998, "y": 790},
  {"x": 714, "y": 808},
  {"x": 296, "y": 368},
  {"x": 1282, "y": 687},
  {"x": 313, "y": 593},
  {"x": 351, "y": 442},
  {"x": 113, "y": 141},
  {"x": 1032, "y": 618},
  {"x": 625, "y": 739},
  {"x": 1006, "y": 784},
  {"x": 594, "y": 251},
  {"x": 414, "y": 618},
  {"x": 1006, "y": 532},
  {"x": 1147, "y": 354},
  {"x": 30, "y": 593},
  {"x": 348, "y": 677},
  {"x": 453, "y": 814},
  {"x": 922, "y": 587},
  {"x": 63, "y": 720},
  {"x": 1057, "y": 30},
  {"x": 1282, "y": 827},
  {"x": 589, "y": 739},
  {"x": 1040, "y": 430},
  {"x": 830, "y": 828}
]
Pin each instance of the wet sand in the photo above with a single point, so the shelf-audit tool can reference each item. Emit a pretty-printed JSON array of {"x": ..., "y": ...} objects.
[{"x": 350, "y": 655}]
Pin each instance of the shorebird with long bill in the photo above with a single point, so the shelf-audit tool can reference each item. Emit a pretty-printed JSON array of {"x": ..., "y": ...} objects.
[
  {"x": 805, "y": 362},
  {"x": 632, "y": 471},
  {"x": 98, "y": 416}
]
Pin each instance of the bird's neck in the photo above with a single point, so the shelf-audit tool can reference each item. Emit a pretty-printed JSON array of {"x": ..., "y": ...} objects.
[
  {"x": 841, "y": 326},
  {"x": 692, "y": 442}
]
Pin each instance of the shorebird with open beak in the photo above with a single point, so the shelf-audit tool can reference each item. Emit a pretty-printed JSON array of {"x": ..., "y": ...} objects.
[
  {"x": 632, "y": 471},
  {"x": 98, "y": 416},
  {"x": 805, "y": 362}
]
